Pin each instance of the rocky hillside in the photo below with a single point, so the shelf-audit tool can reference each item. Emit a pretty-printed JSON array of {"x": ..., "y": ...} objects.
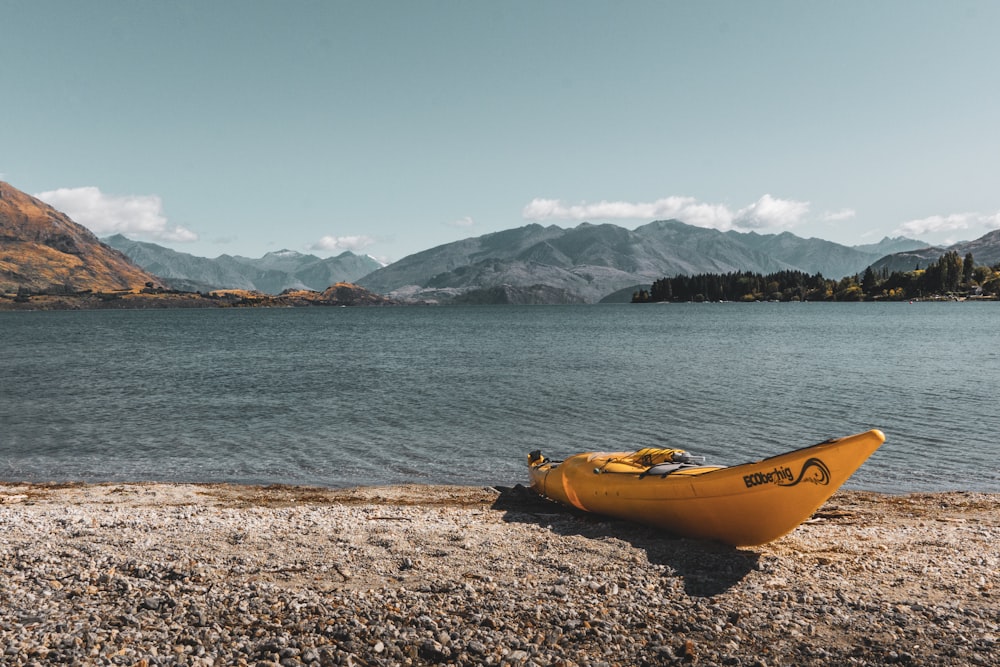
[{"x": 41, "y": 249}]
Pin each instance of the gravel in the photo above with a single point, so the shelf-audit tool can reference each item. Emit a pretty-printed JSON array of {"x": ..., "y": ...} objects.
[{"x": 173, "y": 574}]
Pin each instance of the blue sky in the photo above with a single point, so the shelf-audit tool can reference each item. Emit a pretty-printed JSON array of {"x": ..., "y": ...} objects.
[{"x": 387, "y": 128}]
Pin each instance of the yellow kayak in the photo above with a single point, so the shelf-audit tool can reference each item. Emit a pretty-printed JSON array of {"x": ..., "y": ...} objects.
[{"x": 742, "y": 505}]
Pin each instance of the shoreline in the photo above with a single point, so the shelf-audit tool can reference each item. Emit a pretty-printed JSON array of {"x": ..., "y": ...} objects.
[{"x": 205, "y": 574}]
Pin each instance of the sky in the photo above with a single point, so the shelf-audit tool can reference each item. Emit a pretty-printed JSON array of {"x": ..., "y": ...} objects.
[{"x": 386, "y": 128}]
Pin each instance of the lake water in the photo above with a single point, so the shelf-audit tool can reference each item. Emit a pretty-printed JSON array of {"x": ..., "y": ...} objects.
[{"x": 348, "y": 396}]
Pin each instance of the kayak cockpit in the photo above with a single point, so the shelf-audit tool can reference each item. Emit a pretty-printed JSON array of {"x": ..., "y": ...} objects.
[{"x": 646, "y": 462}]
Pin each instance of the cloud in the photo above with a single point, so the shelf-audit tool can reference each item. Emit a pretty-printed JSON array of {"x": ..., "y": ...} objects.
[
  {"x": 936, "y": 223},
  {"x": 103, "y": 214},
  {"x": 766, "y": 212},
  {"x": 687, "y": 209},
  {"x": 949, "y": 223},
  {"x": 842, "y": 214},
  {"x": 341, "y": 243},
  {"x": 465, "y": 222},
  {"x": 769, "y": 212}
]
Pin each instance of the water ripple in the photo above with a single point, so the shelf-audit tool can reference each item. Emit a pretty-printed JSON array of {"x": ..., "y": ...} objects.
[{"x": 460, "y": 395}]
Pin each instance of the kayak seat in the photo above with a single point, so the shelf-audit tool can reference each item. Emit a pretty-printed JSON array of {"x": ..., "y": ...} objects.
[
  {"x": 664, "y": 469},
  {"x": 685, "y": 468}
]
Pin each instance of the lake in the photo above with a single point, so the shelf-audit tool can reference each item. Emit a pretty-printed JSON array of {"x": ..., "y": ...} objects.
[{"x": 348, "y": 396}]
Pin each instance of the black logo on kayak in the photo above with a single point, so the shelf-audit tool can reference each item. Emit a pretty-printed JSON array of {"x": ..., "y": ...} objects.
[
  {"x": 777, "y": 476},
  {"x": 813, "y": 471}
]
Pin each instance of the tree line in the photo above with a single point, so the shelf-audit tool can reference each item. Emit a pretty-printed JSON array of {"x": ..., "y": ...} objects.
[{"x": 951, "y": 276}]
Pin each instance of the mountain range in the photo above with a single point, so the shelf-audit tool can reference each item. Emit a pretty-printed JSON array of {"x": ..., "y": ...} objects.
[
  {"x": 985, "y": 251},
  {"x": 273, "y": 273},
  {"x": 589, "y": 262},
  {"x": 41, "y": 248},
  {"x": 529, "y": 264}
]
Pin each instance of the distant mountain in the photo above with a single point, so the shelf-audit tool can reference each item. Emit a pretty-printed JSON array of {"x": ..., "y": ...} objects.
[
  {"x": 418, "y": 268},
  {"x": 985, "y": 251},
  {"x": 910, "y": 260},
  {"x": 587, "y": 261},
  {"x": 42, "y": 249},
  {"x": 819, "y": 256},
  {"x": 181, "y": 270},
  {"x": 273, "y": 273},
  {"x": 891, "y": 245},
  {"x": 317, "y": 273},
  {"x": 590, "y": 262}
]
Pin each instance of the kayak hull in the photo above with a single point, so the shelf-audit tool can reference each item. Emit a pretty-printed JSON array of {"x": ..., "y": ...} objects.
[{"x": 742, "y": 505}]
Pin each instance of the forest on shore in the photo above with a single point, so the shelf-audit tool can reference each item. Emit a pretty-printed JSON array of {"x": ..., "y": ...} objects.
[{"x": 950, "y": 277}]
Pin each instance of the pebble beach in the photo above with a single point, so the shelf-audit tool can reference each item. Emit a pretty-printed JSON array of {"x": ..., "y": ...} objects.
[{"x": 174, "y": 574}]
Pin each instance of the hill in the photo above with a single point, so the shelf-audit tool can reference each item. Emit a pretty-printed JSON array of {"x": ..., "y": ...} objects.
[
  {"x": 42, "y": 249},
  {"x": 273, "y": 273}
]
